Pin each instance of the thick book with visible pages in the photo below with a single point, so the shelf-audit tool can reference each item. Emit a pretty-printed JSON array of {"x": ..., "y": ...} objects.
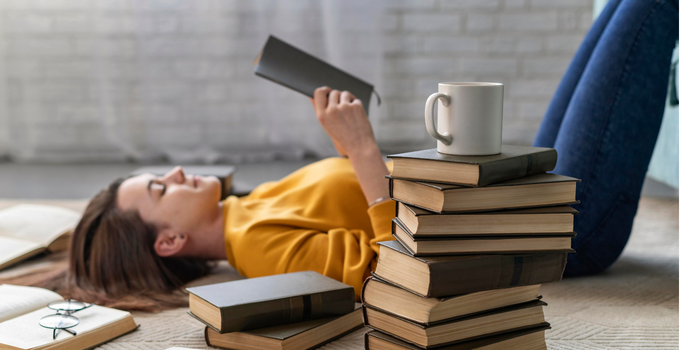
[
  {"x": 404, "y": 303},
  {"x": 526, "y": 339},
  {"x": 534, "y": 191},
  {"x": 30, "y": 229},
  {"x": 441, "y": 276},
  {"x": 507, "y": 319},
  {"x": 223, "y": 172},
  {"x": 22, "y": 307},
  {"x": 427, "y": 246},
  {"x": 536, "y": 221},
  {"x": 291, "y": 67},
  {"x": 270, "y": 301},
  {"x": 296, "y": 336},
  {"x": 513, "y": 163}
]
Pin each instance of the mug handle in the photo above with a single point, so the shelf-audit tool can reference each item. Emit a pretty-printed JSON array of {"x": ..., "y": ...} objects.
[{"x": 445, "y": 138}]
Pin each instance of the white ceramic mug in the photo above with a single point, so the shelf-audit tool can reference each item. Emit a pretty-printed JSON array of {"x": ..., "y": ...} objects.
[{"x": 469, "y": 118}]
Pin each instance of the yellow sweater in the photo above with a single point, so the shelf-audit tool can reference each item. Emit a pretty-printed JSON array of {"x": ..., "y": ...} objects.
[{"x": 314, "y": 219}]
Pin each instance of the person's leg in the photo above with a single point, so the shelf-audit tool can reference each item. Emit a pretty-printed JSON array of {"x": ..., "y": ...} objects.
[
  {"x": 608, "y": 130},
  {"x": 549, "y": 128}
]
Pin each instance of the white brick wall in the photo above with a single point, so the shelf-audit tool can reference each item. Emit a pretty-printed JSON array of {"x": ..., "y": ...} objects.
[
  {"x": 81, "y": 78},
  {"x": 526, "y": 44}
]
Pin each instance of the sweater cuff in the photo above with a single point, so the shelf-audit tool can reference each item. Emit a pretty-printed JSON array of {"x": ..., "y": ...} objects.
[{"x": 381, "y": 215}]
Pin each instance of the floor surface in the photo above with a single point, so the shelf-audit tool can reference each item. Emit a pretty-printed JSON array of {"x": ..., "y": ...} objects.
[{"x": 633, "y": 305}]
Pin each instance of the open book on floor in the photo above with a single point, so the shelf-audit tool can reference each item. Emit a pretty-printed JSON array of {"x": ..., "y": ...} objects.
[
  {"x": 22, "y": 308},
  {"x": 30, "y": 229},
  {"x": 296, "y": 336}
]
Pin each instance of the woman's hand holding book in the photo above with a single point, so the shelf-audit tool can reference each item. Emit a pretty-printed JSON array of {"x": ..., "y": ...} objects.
[{"x": 343, "y": 118}]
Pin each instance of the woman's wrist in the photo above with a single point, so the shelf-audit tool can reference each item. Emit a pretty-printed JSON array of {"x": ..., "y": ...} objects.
[
  {"x": 369, "y": 150},
  {"x": 379, "y": 200},
  {"x": 371, "y": 170}
]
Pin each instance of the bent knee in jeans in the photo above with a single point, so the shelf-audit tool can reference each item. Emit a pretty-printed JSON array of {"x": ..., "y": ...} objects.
[{"x": 599, "y": 247}]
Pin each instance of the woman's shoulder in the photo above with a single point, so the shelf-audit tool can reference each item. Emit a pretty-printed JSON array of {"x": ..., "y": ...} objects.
[{"x": 333, "y": 167}]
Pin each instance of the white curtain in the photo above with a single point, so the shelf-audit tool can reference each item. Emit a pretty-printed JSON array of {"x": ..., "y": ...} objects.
[{"x": 151, "y": 80}]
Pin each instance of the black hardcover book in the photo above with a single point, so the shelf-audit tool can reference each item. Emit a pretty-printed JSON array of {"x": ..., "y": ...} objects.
[
  {"x": 531, "y": 338},
  {"x": 294, "y": 336},
  {"x": 269, "y": 301},
  {"x": 291, "y": 67},
  {"x": 507, "y": 319},
  {"x": 443, "y": 276},
  {"x": 541, "y": 190},
  {"x": 437, "y": 246},
  {"x": 514, "y": 162}
]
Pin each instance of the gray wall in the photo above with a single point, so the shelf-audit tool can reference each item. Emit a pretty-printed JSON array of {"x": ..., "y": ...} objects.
[
  {"x": 527, "y": 44},
  {"x": 110, "y": 80}
]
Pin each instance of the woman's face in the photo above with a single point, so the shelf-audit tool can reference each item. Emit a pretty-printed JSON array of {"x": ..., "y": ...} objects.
[{"x": 179, "y": 201}]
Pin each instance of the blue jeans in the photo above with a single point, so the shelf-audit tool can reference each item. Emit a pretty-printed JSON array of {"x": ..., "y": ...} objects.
[{"x": 604, "y": 119}]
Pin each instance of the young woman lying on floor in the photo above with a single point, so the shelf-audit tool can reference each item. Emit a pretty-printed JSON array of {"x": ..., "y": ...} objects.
[
  {"x": 141, "y": 239},
  {"x": 152, "y": 235}
]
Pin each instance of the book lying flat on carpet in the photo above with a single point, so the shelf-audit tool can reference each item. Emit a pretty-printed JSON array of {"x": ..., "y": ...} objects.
[
  {"x": 296, "y": 336},
  {"x": 404, "y": 303},
  {"x": 291, "y": 67},
  {"x": 30, "y": 229},
  {"x": 514, "y": 162},
  {"x": 270, "y": 301},
  {"x": 542, "y": 221},
  {"x": 516, "y": 317},
  {"x": 223, "y": 172},
  {"x": 533, "y": 191},
  {"x": 527, "y": 339},
  {"x": 427, "y": 246},
  {"x": 442, "y": 276},
  {"x": 21, "y": 308}
]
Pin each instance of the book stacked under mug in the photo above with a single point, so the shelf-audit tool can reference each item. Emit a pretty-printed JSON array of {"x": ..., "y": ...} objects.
[{"x": 476, "y": 236}]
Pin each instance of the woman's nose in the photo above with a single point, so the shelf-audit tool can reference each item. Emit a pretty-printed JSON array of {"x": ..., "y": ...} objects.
[{"x": 175, "y": 175}]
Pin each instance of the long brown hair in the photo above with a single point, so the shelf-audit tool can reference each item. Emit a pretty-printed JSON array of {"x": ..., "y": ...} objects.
[{"x": 112, "y": 262}]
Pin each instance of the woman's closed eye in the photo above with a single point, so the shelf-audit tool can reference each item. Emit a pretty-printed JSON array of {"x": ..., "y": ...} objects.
[{"x": 156, "y": 185}]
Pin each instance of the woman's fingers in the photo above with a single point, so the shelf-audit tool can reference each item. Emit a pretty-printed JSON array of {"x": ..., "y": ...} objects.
[
  {"x": 320, "y": 99},
  {"x": 347, "y": 97},
  {"x": 333, "y": 98}
]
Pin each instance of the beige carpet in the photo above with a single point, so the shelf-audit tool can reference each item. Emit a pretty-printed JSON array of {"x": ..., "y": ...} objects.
[{"x": 633, "y": 305}]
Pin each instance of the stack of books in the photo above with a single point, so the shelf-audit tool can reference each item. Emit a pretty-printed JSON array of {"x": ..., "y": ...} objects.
[
  {"x": 299, "y": 310},
  {"x": 476, "y": 236}
]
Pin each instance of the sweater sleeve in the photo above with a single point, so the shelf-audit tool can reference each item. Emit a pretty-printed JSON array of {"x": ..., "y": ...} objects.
[
  {"x": 381, "y": 216},
  {"x": 342, "y": 254}
]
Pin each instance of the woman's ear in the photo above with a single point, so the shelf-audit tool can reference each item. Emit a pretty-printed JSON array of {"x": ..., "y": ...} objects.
[{"x": 169, "y": 243}]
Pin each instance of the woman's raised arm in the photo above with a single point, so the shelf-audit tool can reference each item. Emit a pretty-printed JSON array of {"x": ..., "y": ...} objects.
[{"x": 343, "y": 117}]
